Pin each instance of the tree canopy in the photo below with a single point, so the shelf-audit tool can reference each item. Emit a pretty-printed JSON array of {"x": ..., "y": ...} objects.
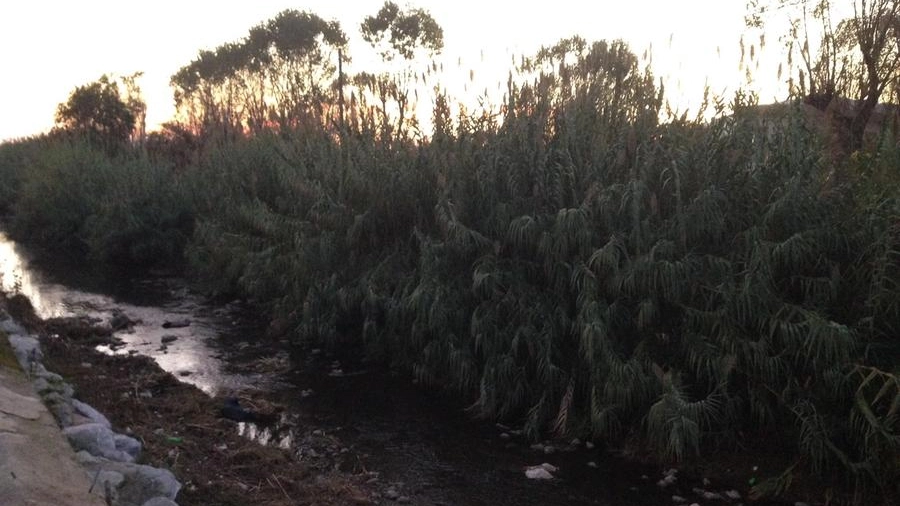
[
  {"x": 402, "y": 32},
  {"x": 97, "y": 111},
  {"x": 277, "y": 74},
  {"x": 857, "y": 57}
]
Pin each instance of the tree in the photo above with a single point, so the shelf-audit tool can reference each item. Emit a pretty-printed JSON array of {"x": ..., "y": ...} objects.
[
  {"x": 876, "y": 26},
  {"x": 394, "y": 32},
  {"x": 97, "y": 111},
  {"x": 857, "y": 57},
  {"x": 278, "y": 74},
  {"x": 401, "y": 32},
  {"x": 134, "y": 99}
]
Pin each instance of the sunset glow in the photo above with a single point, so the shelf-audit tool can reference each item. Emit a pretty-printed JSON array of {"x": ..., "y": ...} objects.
[{"x": 51, "y": 47}]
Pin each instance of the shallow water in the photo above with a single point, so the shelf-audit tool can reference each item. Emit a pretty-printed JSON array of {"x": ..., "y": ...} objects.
[
  {"x": 420, "y": 444},
  {"x": 192, "y": 357}
]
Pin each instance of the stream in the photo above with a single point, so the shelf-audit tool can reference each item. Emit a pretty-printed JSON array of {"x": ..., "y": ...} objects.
[{"x": 421, "y": 444}]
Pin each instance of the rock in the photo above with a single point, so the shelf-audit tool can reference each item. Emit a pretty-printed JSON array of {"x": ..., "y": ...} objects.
[
  {"x": 678, "y": 499},
  {"x": 128, "y": 444},
  {"x": 706, "y": 494},
  {"x": 85, "y": 458},
  {"x": 11, "y": 327},
  {"x": 27, "y": 350},
  {"x": 666, "y": 481},
  {"x": 60, "y": 406},
  {"x": 106, "y": 484},
  {"x": 592, "y": 464},
  {"x": 549, "y": 467},
  {"x": 119, "y": 321},
  {"x": 47, "y": 383},
  {"x": 51, "y": 377},
  {"x": 538, "y": 473},
  {"x": 143, "y": 483},
  {"x": 576, "y": 442},
  {"x": 41, "y": 385},
  {"x": 176, "y": 324},
  {"x": 96, "y": 440},
  {"x": 734, "y": 495},
  {"x": 589, "y": 445},
  {"x": 90, "y": 413},
  {"x": 392, "y": 494},
  {"x": 93, "y": 438},
  {"x": 504, "y": 435},
  {"x": 160, "y": 501},
  {"x": 549, "y": 449},
  {"x": 168, "y": 339}
]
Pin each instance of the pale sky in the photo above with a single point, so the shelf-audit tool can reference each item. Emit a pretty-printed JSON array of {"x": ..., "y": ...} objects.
[{"x": 47, "y": 48}]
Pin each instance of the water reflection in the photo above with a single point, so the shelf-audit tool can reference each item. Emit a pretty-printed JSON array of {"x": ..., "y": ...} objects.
[
  {"x": 16, "y": 277},
  {"x": 189, "y": 352},
  {"x": 278, "y": 434}
]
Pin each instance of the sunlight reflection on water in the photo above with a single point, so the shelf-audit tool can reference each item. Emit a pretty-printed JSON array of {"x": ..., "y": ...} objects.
[
  {"x": 15, "y": 277},
  {"x": 191, "y": 357}
]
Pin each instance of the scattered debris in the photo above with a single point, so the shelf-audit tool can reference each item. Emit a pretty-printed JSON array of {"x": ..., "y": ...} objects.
[
  {"x": 669, "y": 478},
  {"x": 176, "y": 324},
  {"x": 541, "y": 472},
  {"x": 706, "y": 494}
]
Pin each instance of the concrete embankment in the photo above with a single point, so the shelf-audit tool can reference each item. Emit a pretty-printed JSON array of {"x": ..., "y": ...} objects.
[{"x": 42, "y": 426}]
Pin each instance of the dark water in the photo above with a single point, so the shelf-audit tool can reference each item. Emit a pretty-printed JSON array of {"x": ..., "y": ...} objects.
[{"x": 415, "y": 442}]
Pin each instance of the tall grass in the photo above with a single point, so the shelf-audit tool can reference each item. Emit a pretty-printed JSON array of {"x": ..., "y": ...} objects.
[
  {"x": 68, "y": 196},
  {"x": 566, "y": 261}
]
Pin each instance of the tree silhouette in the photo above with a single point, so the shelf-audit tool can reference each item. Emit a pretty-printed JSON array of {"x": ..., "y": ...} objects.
[
  {"x": 858, "y": 57},
  {"x": 401, "y": 32},
  {"x": 279, "y": 74},
  {"x": 97, "y": 112}
]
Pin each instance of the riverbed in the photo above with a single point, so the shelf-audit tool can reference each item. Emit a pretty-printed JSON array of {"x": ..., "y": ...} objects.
[{"x": 420, "y": 444}]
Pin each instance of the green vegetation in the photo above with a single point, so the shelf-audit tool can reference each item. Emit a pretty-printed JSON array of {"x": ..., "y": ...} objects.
[
  {"x": 70, "y": 196},
  {"x": 567, "y": 261}
]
